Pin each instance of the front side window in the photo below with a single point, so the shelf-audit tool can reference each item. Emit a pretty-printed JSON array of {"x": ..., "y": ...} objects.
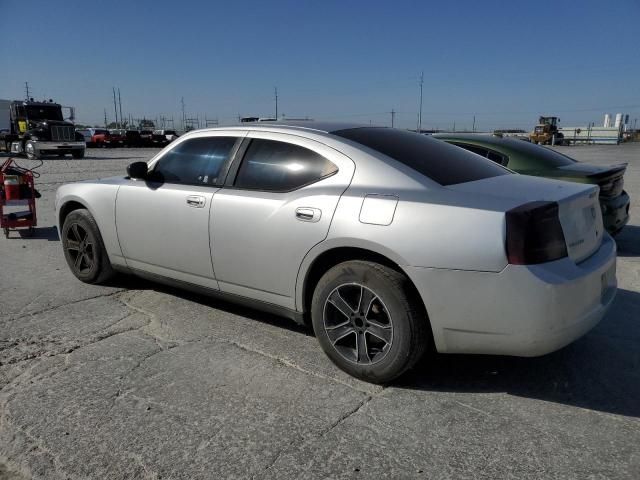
[
  {"x": 279, "y": 167},
  {"x": 441, "y": 162},
  {"x": 197, "y": 161}
]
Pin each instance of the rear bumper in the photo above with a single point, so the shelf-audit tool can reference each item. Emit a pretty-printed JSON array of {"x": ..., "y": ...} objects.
[
  {"x": 615, "y": 212},
  {"x": 523, "y": 310}
]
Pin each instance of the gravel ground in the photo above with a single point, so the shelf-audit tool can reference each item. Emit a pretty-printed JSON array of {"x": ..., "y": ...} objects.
[{"x": 136, "y": 380}]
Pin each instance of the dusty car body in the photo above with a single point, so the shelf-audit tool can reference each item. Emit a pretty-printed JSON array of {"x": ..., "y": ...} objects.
[{"x": 386, "y": 241}]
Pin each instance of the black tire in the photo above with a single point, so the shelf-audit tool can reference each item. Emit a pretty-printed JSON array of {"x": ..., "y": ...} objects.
[
  {"x": 406, "y": 333},
  {"x": 83, "y": 248},
  {"x": 31, "y": 156},
  {"x": 78, "y": 153}
]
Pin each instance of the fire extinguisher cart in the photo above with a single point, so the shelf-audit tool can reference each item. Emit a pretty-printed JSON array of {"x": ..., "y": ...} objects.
[{"x": 17, "y": 198}]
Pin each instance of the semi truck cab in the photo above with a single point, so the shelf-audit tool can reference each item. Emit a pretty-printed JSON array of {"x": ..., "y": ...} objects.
[{"x": 36, "y": 129}]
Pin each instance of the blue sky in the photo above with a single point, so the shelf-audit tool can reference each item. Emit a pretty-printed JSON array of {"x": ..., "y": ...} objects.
[{"x": 506, "y": 62}]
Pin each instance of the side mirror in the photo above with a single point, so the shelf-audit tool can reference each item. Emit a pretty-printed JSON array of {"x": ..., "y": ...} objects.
[{"x": 137, "y": 170}]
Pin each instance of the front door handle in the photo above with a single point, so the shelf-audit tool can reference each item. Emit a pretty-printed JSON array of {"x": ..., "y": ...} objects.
[
  {"x": 196, "y": 201},
  {"x": 308, "y": 214}
]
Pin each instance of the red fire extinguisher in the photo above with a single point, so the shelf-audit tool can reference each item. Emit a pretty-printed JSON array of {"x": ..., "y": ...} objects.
[{"x": 11, "y": 187}]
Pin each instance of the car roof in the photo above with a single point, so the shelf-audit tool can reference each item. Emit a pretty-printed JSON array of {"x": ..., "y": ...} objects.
[
  {"x": 312, "y": 125},
  {"x": 477, "y": 137}
]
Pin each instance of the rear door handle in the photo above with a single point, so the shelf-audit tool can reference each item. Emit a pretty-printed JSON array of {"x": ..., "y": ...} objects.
[
  {"x": 196, "y": 201},
  {"x": 308, "y": 214}
]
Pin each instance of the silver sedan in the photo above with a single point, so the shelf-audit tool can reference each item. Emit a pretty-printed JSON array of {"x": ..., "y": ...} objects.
[{"x": 387, "y": 242}]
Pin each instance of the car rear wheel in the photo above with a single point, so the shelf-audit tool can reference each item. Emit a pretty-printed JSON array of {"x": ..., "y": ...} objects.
[
  {"x": 369, "y": 321},
  {"x": 83, "y": 248},
  {"x": 78, "y": 153}
]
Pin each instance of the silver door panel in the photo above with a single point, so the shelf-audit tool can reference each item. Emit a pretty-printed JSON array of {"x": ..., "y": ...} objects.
[
  {"x": 165, "y": 230},
  {"x": 260, "y": 238}
]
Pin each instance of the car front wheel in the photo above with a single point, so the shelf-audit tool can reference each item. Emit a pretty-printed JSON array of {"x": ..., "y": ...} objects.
[
  {"x": 83, "y": 248},
  {"x": 369, "y": 320}
]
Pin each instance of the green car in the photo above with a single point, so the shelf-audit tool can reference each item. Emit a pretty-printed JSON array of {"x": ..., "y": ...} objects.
[{"x": 530, "y": 159}]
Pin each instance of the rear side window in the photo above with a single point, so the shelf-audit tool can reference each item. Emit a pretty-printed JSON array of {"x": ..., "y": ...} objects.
[
  {"x": 197, "y": 161},
  {"x": 485, "y": 152},
  {"x": 280, "y": 167},
  {"x": 437, "y": 160},
  {"x": 544, "y": 157}
]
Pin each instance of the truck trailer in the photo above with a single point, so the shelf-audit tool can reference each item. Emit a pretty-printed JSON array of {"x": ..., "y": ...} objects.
[{"x": 36, "y": 129}]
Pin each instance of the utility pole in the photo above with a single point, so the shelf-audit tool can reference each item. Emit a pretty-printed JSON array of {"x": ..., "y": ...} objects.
[
  {"x": 183, "y": 117},
  {"x": 120, "y": 103},
  {"x": 454, "y": 126},
  {"x": 393, "y": 117},
  {"x": 26, "y": 87},
  {"x": 115, "y": 105},
  {"x": 105, "y": 118},
  {"x": 275, "y": 89},
  {"x": 419, "y": 129},
  {"x": 474, "y": 124}
]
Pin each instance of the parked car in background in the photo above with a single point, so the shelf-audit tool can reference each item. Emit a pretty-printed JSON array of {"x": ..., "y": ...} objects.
[
  {"x": 100, "y": 138},
  {"x": 132, "y": 138},
  {"x": 117, "y": 137},
  {"x": 162, "y": 138},
  {"x": 146, "y": 138},
  {"x": 388, "y": 242},
  {"x": 86, "y": 133},
  {"x": 531, "y": 159}
]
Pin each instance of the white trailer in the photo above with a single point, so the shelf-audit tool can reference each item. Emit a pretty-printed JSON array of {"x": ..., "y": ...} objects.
[{"x": 5, "y": 122}]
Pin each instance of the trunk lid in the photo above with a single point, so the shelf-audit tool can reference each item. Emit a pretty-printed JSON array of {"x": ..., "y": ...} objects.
[
  {"x": 581, "y": 220},
  {"x": 610, "y": 179},
  {"x": 578, "y": 205}
]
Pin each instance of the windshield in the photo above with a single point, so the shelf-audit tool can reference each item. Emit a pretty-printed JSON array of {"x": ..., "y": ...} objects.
[
  {"x": 44, "y": 112},
  {"x": 545, "y": 157},
  {"x": 439, "y": 161}
]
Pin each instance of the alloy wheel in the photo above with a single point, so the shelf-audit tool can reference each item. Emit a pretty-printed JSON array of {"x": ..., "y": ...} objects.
[
  {"x": 358, "y": 324},
  {"x": 80, "y": 248}
]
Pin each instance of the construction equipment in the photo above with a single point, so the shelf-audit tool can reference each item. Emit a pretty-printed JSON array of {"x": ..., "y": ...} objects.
[
  {"x": 16, "y": 192},
  {"x": 546, "y": 132}
]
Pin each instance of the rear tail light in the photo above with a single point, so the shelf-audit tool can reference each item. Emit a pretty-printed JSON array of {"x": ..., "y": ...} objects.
[{"x": 534, "y": 234}]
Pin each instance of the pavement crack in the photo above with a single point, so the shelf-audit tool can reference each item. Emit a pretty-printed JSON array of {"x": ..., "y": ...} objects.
[
  {"x": 300, "y": 441},
  {"x": 120, "y": 393},
  {"x": 343, "y": 418},
  {"x": 56, "y": 307},
  {"x": 290, "y": 364},
  {"x": 46, "y": 351}
]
